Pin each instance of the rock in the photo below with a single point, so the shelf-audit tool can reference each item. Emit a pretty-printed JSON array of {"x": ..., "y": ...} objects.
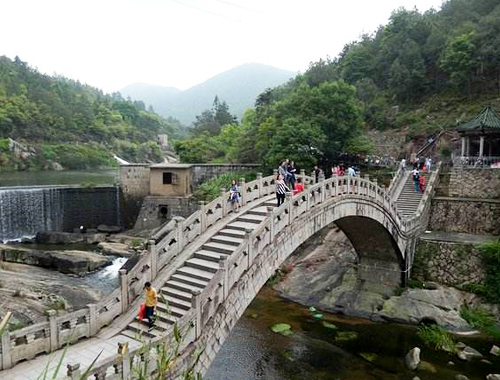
[
  {"x": 486, "y": 361},
  {"x": 56, "y": 166},
  {"x": 426, "y": 366},
  {"x": 493, "y": 377},
  {"x": 461, "y": 377},
  {"x": 76, "y": 262},
  {"x": 56, "y": 237},
  {"x": 109, "y": 229},
  {"x": 469, "y": 353},
  {"x": 495, "y": 350},
  {"x": 369, "y": 356},
  {"x": 450, "y": 363},
  {"x": 412, "y": 358},
  {"x": 460, "y": 346},
  {"x": 115, "y": 249},
  {"x": 431, "y": 285},
  {"x": 416, "y": 378},
  {"x": 94, "y": 238}
]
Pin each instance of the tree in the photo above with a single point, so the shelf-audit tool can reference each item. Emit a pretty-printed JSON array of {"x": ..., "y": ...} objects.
[
  {"x": 459, "y": 60},
  {"x": 213, "y": 119}
]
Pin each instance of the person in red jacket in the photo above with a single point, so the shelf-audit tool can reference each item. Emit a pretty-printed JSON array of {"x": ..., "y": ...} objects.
[{"x": 421, "y": 182}]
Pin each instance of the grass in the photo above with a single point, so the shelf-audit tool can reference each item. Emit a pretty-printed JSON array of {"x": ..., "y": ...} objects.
[
  {"x": 437, "y": 338},
  {"x": 482, "y": 319},
  {"x": 210, "y": 190},
  {"x": 55, "y": 305}
]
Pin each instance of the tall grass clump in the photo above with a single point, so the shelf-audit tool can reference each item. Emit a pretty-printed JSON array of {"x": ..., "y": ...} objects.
[
  {"x": 437, "y": 338},
  {"x": 482, "y": 319},
  {"x": 210, "y": 189}
]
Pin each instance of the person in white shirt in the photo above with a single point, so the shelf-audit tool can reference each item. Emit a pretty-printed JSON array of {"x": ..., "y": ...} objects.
[
  {"x": 351, "y": 171},
  {"x": 403, "y": 164}
]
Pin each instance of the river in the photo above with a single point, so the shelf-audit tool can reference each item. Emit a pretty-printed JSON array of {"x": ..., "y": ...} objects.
[
  {"x": 65, "y": 177},
  {"x": 356, "y": 349}
]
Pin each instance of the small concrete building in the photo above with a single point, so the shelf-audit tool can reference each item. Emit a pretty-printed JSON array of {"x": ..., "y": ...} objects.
[
  {"x": 481, "y": 137},
  {"x": 170, "y": 180}
]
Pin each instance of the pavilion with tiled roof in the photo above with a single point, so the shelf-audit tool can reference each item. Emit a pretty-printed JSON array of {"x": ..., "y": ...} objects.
[{"x": 481, "y": 135}]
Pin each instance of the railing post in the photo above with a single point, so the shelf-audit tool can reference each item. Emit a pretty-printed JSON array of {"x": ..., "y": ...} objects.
[
  {"x": 270, "y": 215},
  {"x": 375, "y": 185},
  {"x": 180, "y": 234},
  {"x": 53, "y": 338},
  {"x": 196, "y": 305},
  {"x": 307, "y": 193},
  {"x": 124, "y": 288},
  {"x": 349, "y": 184},
  {"x": 289, "y": 206},
  {"x": 367, "y": 178},
  {"x": 303, "y": 175},
  {"x": 93, "y": 319},
  {"x": 203, "y": 218},
  {"x": 153, "y": 254},
  {"x": 223, "y": 266},
  {"x": 223, "y": 196},
  {"x": 259, "y": 184},
  {"x": 125, "y": 359},
  {"x": 74, "y": 371},
  {"x": 248, "y": 242},
  {"x": 6, "y": 357},
  {"x": 322, "y": 182},
  {"x": 243, "y": 192}
]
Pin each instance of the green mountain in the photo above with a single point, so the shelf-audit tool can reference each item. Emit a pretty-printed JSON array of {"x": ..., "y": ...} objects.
[
  {"x": 63, "y": 121},
  {"x": 239, "y": 87}
]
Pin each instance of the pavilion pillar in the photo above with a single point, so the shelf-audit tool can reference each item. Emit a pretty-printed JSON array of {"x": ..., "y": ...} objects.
[
  {"x": 467, "y": 146},
  {"x": 463, "y": 146},
  {"x": 481, "y": 146}
]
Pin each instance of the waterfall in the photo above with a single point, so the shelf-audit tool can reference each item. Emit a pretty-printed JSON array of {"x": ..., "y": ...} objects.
[{"x": 25, "y": 211}]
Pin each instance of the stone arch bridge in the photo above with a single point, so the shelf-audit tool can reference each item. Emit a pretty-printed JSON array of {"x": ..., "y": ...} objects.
[{"x": 210, "y": 266}]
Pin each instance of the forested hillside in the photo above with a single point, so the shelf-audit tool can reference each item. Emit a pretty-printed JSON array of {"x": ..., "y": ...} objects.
[
  {"x": 421, "y": 72},
  {"x": 71, "y": 123}
]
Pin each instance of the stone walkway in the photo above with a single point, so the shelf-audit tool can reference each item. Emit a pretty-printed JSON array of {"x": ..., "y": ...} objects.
[
  {"x": 456, "y": 237},
  {"x": 84, "y": 353}
]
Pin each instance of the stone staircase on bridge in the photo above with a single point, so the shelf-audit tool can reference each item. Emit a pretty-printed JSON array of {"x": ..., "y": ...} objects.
[
  {"x": 175, "y": 296},
  {"x": 408, "y": 200}
]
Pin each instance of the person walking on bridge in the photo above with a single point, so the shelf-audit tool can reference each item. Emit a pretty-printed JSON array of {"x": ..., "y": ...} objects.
[
  {"x": 151, "y": 301},
  {"x": 281, "y": 190}
]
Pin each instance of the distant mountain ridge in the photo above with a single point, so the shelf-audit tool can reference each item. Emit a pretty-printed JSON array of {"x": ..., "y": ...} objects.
[{"x": 239, "y": 87}]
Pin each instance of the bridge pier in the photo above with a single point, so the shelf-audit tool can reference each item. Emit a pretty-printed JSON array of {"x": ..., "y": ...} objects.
[{"x": 380, "y": 272}]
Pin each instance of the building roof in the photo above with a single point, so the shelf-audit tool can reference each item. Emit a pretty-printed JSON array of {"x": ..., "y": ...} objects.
[
  {"x": 170, "y": 166},
  {"x": 487, "y": 120}
]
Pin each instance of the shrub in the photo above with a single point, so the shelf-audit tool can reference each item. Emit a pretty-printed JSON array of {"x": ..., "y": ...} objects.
[
  {"x": 436, "y": 337},
  {"x": 481, "y": 318},
  {"x": 210, "y": 190}
]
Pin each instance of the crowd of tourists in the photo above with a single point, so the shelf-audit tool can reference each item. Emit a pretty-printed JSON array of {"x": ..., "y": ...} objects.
[{"x": 418, "y": 166}]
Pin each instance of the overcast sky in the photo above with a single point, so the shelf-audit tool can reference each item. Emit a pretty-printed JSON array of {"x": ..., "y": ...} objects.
[{"x": 180, "y": 43}]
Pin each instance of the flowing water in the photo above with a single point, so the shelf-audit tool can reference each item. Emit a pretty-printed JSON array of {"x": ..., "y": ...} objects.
[
  {"x": 356, "y": 349},
  {"x": 65, "y": 177},
  {"x": 106, "y": 279}
]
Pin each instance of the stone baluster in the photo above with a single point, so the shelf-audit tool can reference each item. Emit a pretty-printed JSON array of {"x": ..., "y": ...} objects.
[
  {"x": 244, "y": 193},
  {"x": 288, "y": 201},
  {"x": 125, "y": 361},
  {"x": 53, "y": 333},
  {"x": 74, "y": 372},
  {"x": 180, "y": 235},
  {"x": 203, "y": 217},
  {"x": 303, "y": 176},
  {"x": 6, "y": 354},
  {"x": 153, "y": 254},
  {"x": 271, "y": 223},
  {"x": 124, "y": 289},
  {"x": 375, "y": 188},
  {"x": 259, "y": 184},
  {"x": 92, "y": 319},
  {"x": 223, "y": 266},
  {"x": 196, "y": 305},
  {"x": 223, "y": 204},
  {"x": 101, "y": 375},
  {"x": 249, "y": 249}
]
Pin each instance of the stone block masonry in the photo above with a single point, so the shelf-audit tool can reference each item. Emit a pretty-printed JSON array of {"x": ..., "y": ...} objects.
[
  {"x": 466, "y": 215},
  {"x": 475, "y": 183},
  {"x": 204, "y": 172},
  {"x": 452, "y": 264}
]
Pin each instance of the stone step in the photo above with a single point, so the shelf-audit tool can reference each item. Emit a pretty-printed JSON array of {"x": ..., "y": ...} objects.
[
  {"x": 174, "y": 301},
  {"x": 229, "y": 240},
  {"x": 159, "y": 325},
  {"x": 219, "y": 247},
  {"x": 231, "y": 232},
  {"x": 165, "y": 311},
  {"x": 204, "y": 265},
  {"x": 141, "y": 330},
  {"x": 209, "y": 255},
  {"x": 182, "y": 286},
  {"x": 130, "y": 334},
  {"x": 175, "y": 292},
  {"x": 195, "y": 273},
  {"x": 189, "y": 280},
  {"x": 242, "y": 226},
  {"x": 261, "y": 210},
  {"x": 167, "y": 319},
  {"x": 249, "y": 218}
]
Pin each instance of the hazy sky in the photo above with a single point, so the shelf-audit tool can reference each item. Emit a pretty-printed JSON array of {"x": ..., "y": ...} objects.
[{"x": 180, "y": 43}]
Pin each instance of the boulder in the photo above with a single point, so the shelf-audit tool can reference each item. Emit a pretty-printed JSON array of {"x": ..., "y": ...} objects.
[
  {"x": 495, "y": 350},
  {"x": 56, "y": 237},
  {"x": 493, "y": 377},
  {"x": 461, "y": 377},
  {"x": 109, "y": 229},
  {"x": 426, "y": 366},
  {"x": 412, "y": 358},
  {"x": 115, "y": 249},
  {"x": 469, "y": 353},
  {"x": 71, "y": 262}
]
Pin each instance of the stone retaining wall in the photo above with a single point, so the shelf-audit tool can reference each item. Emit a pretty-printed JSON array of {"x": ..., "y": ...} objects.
[
  {"x": 452, "y": 264},
  {"x": 204, "y": 172},
  {"x": 473, "y": 216},
  {"x": 475, "y": 183}
]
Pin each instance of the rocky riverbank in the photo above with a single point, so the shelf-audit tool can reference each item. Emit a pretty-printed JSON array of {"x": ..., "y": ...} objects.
[{"x": 323, "y": 274}]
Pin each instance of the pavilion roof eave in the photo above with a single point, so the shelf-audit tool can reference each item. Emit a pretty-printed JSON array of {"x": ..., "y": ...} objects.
[{"x": 486, "y": 122}]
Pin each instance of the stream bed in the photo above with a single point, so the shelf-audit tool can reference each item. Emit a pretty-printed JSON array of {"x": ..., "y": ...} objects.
[{"x": 333, "y": 347}]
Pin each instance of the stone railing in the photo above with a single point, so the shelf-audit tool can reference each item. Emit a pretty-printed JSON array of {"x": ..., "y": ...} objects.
[
  {"x": 397, "y": 183},
  {"x": 419, "y": 221},
  {"x": 164, "y": 246},
  {"x": 206, "y": 302},
  {"x": 477, "y": 162}
]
